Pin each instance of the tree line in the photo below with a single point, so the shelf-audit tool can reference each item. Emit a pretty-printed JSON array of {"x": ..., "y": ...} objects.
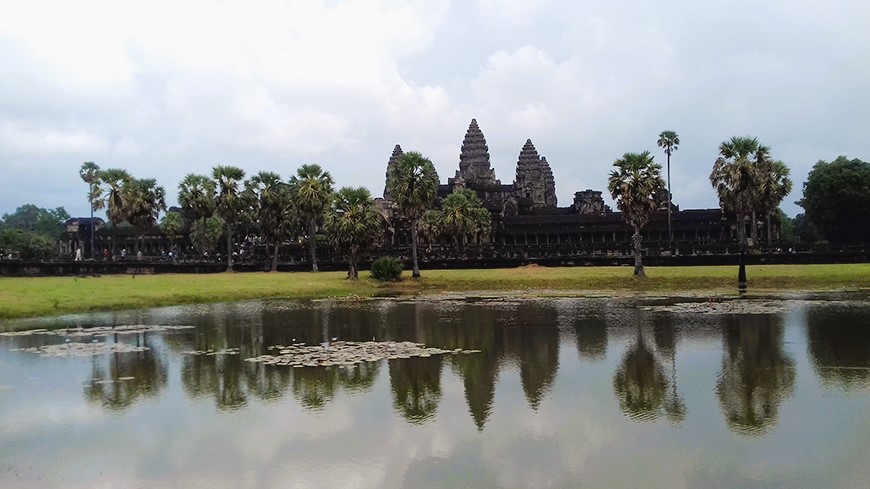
[
  {"x": 304, "y": 207},
  {"x": 749, "y": 183}
]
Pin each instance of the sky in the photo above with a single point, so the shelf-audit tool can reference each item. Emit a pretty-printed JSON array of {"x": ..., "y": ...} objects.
[{"x": 166, "y": 87}]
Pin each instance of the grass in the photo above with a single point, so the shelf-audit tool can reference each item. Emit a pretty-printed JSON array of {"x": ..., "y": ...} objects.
[{"x": 45, "y": 296}]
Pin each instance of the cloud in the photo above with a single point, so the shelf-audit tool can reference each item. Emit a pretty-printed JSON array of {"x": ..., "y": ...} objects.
[{"x": 164, "y": 88}]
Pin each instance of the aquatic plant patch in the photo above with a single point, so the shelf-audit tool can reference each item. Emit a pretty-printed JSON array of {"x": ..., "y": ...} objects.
[{"x": 348, "y": 353}]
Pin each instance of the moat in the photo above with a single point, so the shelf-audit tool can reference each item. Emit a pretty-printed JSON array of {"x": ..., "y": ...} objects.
[{"x": 560, "y": 392}]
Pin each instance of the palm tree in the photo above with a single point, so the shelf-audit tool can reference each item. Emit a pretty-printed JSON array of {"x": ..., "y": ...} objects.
[
  {"x": 735, "y": 177},
  {"x": 229, "y": 201},
  {"x": 774, "y": 185},
  {"x": 634, "y": 185},
  {"x": 311, "y": 190},
  {"x": 354, "y": 224},
  {"x": 172, "y": 225},
  {"x": 670, "y": 142},
  {"x": 113, "y": 181},
  {"x": 145, "y": 199},
  {"x": 463, "y": 215},
  {"x": 413, "y": 182},
  {"x": 274, "y": 209},
  {"x": 90, "y": 174},
  {"x": 196, "y": 195}
]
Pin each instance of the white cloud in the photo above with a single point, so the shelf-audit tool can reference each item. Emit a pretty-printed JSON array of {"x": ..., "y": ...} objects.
[{"x": 167, "y": 87}]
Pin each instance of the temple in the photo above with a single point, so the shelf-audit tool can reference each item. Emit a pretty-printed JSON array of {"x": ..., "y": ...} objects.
[
  {"x": 527, "y": 220},
  {"x": 527, "y": 223}
]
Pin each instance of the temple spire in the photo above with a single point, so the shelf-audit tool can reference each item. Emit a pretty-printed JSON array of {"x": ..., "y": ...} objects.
[
  {"x": 534, "y": 182},
  {"x": 397, "y": 153},
  {"x": 474, "y": 164}
]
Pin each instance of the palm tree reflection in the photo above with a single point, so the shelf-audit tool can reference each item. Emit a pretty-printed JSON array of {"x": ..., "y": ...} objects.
[
  {"x": 757, "y": 374},
  {"x": 640, "y": 383}
]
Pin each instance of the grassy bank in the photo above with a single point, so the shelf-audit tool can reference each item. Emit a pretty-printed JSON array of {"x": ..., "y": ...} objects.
[{"x": 28, "y": 297}]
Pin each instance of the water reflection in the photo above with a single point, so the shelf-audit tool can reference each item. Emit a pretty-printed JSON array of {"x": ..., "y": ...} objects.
[
  {"x": 416, "y": 386},
  {"x": 520, "y": 413},
  {"x": 640, "y": 383},
  {"x": 119, "y": 380},
  {"x": 757, "y": 374},
  {"x": 839, "y": 345}
]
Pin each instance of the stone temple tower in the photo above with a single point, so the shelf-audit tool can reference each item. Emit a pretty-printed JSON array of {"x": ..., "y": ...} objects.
[
  {"x": 397, "y": 153},
  {"x": 534, "y": 184},
  {"x": 474, "y": 165}
]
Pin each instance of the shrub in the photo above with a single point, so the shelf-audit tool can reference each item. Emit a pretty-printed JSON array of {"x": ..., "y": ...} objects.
[{"x": 387, "y": 268}]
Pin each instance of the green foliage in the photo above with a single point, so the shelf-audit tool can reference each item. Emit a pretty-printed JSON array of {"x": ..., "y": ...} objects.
[
  {"x": 113, "y": 181},
  {"x": 461, "y": 216},
  {"x": 144, "y": 200},
  {"x": 196, "y": 194},
  {"x": 231, "y": 201},
  {"x": 26, "y": 245},
  {"x": 747, "y": 180},
  {"x": 787, "y": 235},
  {"x": 387, "y": 269},
  {"x": 172, "y": 225},
  {"x": 634, "y": 186},
  {"x": 311, "y": 190},
  {"x": 353, "y": 225},
  {"x": 90, "y": 174},
  {"x": 413, "y": 183},
  {"x": 836, "y": 197},
  {"x": 33, "y": 219},
  {"x": 273, "y": 209},
  {"x": 669, "y": 141},
  {"x": 205, "y": 233}
]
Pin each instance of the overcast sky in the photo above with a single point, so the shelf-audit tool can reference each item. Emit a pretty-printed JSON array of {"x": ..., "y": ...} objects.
[{"x": 165, "y": 88}]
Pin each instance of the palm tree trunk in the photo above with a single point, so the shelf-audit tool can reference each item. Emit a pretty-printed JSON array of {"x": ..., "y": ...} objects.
[
  {"x": 754, "y": 229},
  {"x": 769, "y": 234},
  {"x": 229, "y": 248},
  {"x": 275, "y": 259},
  {"x": 416, "y": 271},
  {"x": 92, "y": 231},
  {"x": 638, "y": 261},
  {"x": 741, "y": 230},
  {"x": 312, "y": 242},
  {"x": 670, "y": 231}
]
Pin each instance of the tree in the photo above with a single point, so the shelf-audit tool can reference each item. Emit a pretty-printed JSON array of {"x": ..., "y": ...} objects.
[
  {"x": 113, "y": 181},
  {"x": 353, "y": 225},
  {"x": 196, "y": 194},
  {"x": 33, "y": 219},
  {"x": 90, "y": 174},
  {"x": 144, "y": 200},
  {"x": 311, "y": 189},
  {"x": 172, "y": 226},
  {"x": 737, "y": 178},
  {"x": 836, "y": 197},
  {"x": 430, "y": 227},
  {"x": 273, "y": 208},
  {"x": 205, "y": 233},
  {"x": 229, "y": 201},
  {"x": 413, "y": 182},
  {"x": 634, "y": 185},
  {"x": 670, "y": 142},
  {"x": 774, "y": 185},
  {"x": 462, "y": 215}
]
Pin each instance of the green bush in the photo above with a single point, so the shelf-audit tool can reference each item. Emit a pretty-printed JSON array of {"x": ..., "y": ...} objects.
[{"x": 387, "y": 268}]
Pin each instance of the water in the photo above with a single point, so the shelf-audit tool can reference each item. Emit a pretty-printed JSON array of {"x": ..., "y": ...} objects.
[{"x": 564, "y": 393}]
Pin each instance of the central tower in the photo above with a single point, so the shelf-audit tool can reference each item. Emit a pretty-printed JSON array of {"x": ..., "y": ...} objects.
[{"x": 474, "y": 167}]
